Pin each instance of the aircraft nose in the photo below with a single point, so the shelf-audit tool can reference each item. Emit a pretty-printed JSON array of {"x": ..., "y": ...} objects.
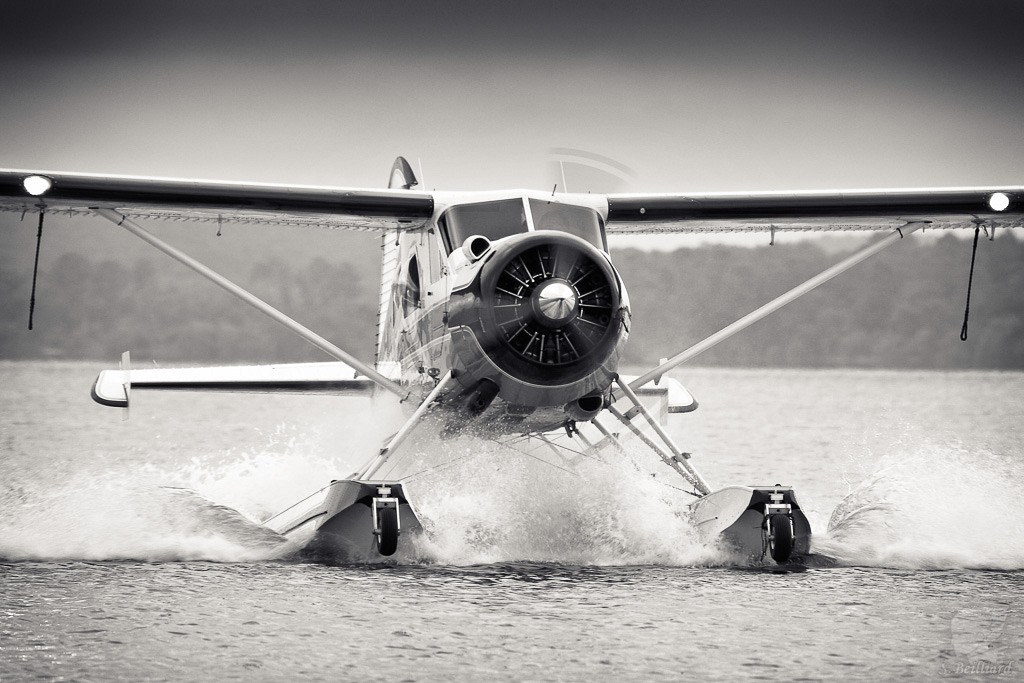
[{"x": 544, "y": 318}]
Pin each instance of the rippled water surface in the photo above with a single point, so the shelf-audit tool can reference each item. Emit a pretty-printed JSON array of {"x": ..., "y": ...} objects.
[{"x": 911, "y": 481}]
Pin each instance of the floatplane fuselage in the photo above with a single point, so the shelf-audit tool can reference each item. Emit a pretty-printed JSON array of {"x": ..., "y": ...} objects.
[
  {"x": 500, "y": 313},
  {"x": 506, "y": 315}
]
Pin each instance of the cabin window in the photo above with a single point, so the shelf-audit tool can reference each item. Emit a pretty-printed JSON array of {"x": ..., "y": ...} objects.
[
  {"x": 493, "y": 220},
  {"x": 411, "y": 288},
  {"x": 575, "y": 220}
]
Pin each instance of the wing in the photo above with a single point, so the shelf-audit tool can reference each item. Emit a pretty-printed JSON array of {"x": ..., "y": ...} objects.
[
  {"x": 201, "y": 200},
  {"x": 995, "y": 207}
]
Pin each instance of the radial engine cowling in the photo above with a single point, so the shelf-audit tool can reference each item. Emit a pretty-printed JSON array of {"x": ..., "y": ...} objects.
[{"x": 545, "y": 319}]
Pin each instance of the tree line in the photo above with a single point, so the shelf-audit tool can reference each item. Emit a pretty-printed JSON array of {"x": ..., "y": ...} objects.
[{"x": 900, "y": 309}]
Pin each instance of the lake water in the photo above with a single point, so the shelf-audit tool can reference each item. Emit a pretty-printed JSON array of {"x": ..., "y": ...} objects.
[{"x": 528, "y": 573}]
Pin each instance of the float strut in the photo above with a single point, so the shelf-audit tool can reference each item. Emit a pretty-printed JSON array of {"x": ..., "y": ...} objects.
[
  {"x": 608, "y": 436},
  {"x": 677, "y": 460},
  {"x": 377, "y": 462}
]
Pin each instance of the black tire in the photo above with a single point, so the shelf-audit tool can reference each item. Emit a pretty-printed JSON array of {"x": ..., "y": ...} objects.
[
  {"x": 387, "y": 540},
  {"x": 780, "y": 537}
]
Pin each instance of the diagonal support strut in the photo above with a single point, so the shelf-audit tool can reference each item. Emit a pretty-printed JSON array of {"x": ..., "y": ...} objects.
[
  {"x": 773, "y": 305},
  {"x": 254, "y": 301}
]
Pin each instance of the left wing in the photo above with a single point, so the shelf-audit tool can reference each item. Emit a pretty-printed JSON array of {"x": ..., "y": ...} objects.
[
  {"x": 964, "y": 207},
  {"x": 203, "y": 200}
]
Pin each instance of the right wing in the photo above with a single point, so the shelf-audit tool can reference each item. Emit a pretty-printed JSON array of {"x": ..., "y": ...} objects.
[{"x": 962, "y": 207}]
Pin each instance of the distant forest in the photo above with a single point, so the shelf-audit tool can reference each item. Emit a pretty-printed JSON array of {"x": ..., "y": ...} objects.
[{"x": 901, "y": 309}]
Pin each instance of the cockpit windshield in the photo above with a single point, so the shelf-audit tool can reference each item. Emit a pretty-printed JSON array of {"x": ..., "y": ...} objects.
[
  {"x": 505, "y": 217},
  {"x": 493, "y": 220},
  {"x": 575, "y": 220}
]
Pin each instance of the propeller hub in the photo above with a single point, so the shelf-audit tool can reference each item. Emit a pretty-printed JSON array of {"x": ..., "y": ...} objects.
[{"x": 556, "y": 302}]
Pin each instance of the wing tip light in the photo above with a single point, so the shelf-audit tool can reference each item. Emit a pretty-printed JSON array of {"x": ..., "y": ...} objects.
[
  {"x": 998, "y": 201},
  {"x": 36, "y": 185}
]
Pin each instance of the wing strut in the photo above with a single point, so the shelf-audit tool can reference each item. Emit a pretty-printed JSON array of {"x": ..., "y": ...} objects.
[
  {"x": 254, "y": 301},
  {"x": 772, "y": 306}
]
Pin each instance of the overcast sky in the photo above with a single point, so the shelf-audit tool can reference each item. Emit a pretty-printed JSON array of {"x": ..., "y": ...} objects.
[{"x": 690, "y": 96}]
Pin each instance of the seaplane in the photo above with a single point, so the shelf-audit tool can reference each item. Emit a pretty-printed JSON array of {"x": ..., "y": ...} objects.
[{"x": 500, "y": 313}]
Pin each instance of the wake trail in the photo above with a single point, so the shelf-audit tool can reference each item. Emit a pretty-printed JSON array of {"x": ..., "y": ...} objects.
[
  {"x": 932, "y": 506},
  {"x": 104, "y": 518},
  {"x": 206, "y": 508}
]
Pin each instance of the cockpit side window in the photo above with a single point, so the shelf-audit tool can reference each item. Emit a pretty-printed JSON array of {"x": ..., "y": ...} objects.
[
  {"x": 493, "y": 220},
  {"x": 575, "y": 220},
  {"x": 411, "y": 288}
]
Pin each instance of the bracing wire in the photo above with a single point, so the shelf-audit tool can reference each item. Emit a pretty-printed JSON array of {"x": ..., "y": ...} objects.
[
  {"x": 970, "y": 280},
  {"x": 35, "y": 270}
]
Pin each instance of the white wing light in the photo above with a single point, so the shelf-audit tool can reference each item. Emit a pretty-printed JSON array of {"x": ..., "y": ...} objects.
[
  {"x": 998, "y": 201},
  {"x": 36, "y": 185}
]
